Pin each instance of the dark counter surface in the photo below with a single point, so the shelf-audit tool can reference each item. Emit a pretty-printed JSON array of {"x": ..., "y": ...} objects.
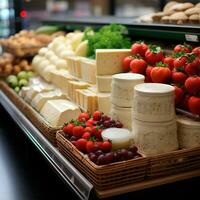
[{"x": 25, "y": 175}]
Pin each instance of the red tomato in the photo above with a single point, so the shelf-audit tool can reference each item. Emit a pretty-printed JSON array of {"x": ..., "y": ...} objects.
[
  {"x": 68, "y": 128},
  {"x": 148, "y": 74},
  {"x": 92, "y": 146},
  {"x": 169, "y": 61},
  {"x": 160, "y": 74},
  {"x": 106, "y": 146},
  {"x": 83, "y": 117},
  {"x": 97, "y": 115},
  {"x": 180, "y": 62},
  {"x": 81, "y": 144},
  {"x": 90, "y": 122},
  {"x": 97, "y": 134},
  {"x": 196, "y": 51},
  {"x": 194, "y": 105},
  {"x": 138, "y": 65},
  {"x": 179, "y": 94},
  {"x": 87, "y": 129},
  {"x": 192, "y": 68},
  {"x": 192, "y": 85},
  {"x": 182, "y": 48},
  {"x": 184, "y": 103},
  {"x": 126, "y": 63},
  {"x": 154, "y": 54},
  {"x": 78, "y": 131},
  {"x": 178, "y": 77},
  {"x": 86, "y": 135},
  {"x": 139, "y": 48}
]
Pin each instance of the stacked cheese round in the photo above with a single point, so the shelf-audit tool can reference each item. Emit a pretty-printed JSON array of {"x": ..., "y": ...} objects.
[
  {"x": 122, "y": 86},
  {"x": 154, "y": 124},
  {"x": 188, "y": 132}
]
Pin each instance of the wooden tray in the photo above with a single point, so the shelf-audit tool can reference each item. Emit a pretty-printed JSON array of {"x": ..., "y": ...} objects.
[
  {"x": 132, "y": 175},
  {"x": 45, "y": 128}
]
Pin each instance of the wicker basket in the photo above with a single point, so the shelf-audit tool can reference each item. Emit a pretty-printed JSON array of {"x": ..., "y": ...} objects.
[
  {"x": 105, "y": 176},
  {"x": 45, "y": 128}
]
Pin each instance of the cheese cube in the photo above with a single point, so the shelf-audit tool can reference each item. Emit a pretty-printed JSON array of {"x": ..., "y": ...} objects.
[
  {"x": 104, "y": 103},
  {"x": 88, "y": 70},
  {"x": 109, "y": 61},
  {"x": 104, "y": 83},
  {"x": 73, "y": 85},
  {"x": 40, "y": 99},
  {"x": 87, "y": 100},
  {"x": 74, "y": 66},
  {"x": 59, "y": 111}
]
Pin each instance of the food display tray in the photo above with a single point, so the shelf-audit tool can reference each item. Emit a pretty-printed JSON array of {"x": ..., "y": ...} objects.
[
  {"x": 46, "y": 129},
  {"x": 126, "y": 176}
]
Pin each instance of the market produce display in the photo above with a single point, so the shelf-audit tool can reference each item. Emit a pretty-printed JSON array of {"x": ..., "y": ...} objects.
[{"x": 180, "y": 69}]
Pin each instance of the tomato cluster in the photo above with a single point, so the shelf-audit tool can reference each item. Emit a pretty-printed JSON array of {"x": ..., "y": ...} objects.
[
  {"x": 85, "y": 132},
  {"x": 181, "y": 69}
]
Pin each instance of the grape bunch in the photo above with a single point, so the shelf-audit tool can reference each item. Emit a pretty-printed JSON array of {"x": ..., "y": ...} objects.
[{"x": 101, "y": 158}]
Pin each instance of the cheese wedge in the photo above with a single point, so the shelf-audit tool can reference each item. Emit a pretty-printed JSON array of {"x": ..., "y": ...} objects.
[
  {"x": 104, "y": 83},
  {"x": 104, "y": 103},
  {"x": 41, "y": 98},
  {"x": 88, "y": 70},
  {"x": 109, "y": 61},
  {"x": 59, "y": 111}
]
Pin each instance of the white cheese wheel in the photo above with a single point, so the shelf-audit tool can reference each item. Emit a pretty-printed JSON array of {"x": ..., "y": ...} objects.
[
  {"x": 120, "y": 137},
  {"x": 188, "y": 132},
  {"x": 122, "y": 88},
  {"x": 124, "y": 115},
  {"x": 155, "y": 138},
  {"x": 153, "y": 102}
]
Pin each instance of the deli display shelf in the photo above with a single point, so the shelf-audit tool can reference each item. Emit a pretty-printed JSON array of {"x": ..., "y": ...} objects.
[
  {"x": 187, "y": 32},
  {"x": 69, "y": 174}
]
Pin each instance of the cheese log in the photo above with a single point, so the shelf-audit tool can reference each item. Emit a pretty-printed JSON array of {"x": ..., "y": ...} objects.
[
  {"x": 35, "y": 89},
  {"x": 40, "y": 99},
  {"x": 104, "y": 103},
  {"x": 88, "y": 70},
  {"x": 59, "y": 111},
  {"x": 73, "y": 85},
  {"x": 109, "y": 61},
  {"x": 87, "y": 100},
  {"x": 104, "y": 83}
]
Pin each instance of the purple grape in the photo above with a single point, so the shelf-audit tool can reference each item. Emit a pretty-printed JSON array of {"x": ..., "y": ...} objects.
[
  {"x": 67, "y": 136},
  {"x": 105, "y": 118},
  {"x": 108, "y": 157},
  {"x": 118, "y": 124},
  {"x": 133, "y": 149},
  {"x": 130, "y": 155},
  {"x": 116, "y": 157},
  {"x": 123, "y": 153},
  {"x": 101, "y": 160},
  {"x": 73, "y": 138},
  {"x": 98, "y": 152},
  {"x": 92, "y": 157},
  {"x": 107, "y": 124}
]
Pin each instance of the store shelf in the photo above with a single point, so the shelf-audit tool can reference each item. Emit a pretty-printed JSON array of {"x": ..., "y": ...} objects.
[
  {"x": 69, "y": 174},
  {"x": 189, "y": 33}
]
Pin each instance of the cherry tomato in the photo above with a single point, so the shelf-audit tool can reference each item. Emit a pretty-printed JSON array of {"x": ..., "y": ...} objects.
[
  {"x": 196, "y": 51},
  {"x": 139, "y": 48},
  {"x": 126, "y": 63},
  {"x": 81, "y": 144},
  {"x": 160, "y": 74},
  {"x": 138, "y": 65},
  {"x": 194, "y": 105},
  {"x": 179, "y": 94},
  {"x": 83, "y": 117},
  {"x": 86, "y": 135},
  {"x": 192, "y": 85},
  {"x": 148, "y": 74},
  {"x": 180, "y": 62},
  {"x": 97, "y": 115},
  {"x": 78, "y": 131},
  {"x": 68, "y": 128},
  {"x": 182, "y": 48},
  {"x": 178, "y": 77},
  {"x": 169, "y": 61},
  {"x": 106, "y": 146}
]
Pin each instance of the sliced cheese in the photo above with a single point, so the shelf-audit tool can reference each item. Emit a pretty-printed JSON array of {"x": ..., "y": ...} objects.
[
  {"x": 87, "y": 100},
  {"x": 104, "y": 83},
  {"x": 40, "y": 99},
  {"x": 88, "y": 70},
  {"x": 73, "y": 85},
  {"x": 104, "y": 104},
  {"x": 59, "y": 111},
  {"x": 109, "y": 61},
  {"x": 74, "y": 66}
]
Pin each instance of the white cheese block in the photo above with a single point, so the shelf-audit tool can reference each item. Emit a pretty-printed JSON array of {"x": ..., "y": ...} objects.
[
  {"x": 93, "y": 88},
  {"x": 104, "y": 104},
  {"x": 87, "y": 100},
  {"x": 74, "y": 66},
  {"x": 23, "y": 91},
  {"x": 35, "y": 80},
  {"x": 88, "y": 70},
  {"x": 104, "y": 83},
  {"x": 109, "y": 61},
  {"x": 73, "y": 85},
  {"x": 40, "y": 99},
  {"x": 34, "y": 90},
  {"x": 46, "y": 73},
  {"x": 59, "y": 111},
  {"x": 188, "y": 132}
]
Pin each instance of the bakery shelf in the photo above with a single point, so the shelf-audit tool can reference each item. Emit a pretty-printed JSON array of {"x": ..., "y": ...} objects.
[
  {"x": 190, "y": 33},
  {"x": 69, "y": 174}
]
